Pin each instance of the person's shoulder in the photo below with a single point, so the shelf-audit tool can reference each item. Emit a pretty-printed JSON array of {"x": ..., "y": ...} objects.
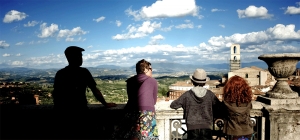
[
  {"x": 210, "y": 92},
  {"x": 151, "y": 79},
  {"x": 131, "y": 78},
  {"x": 62, "y": 70},
  {"x": 83, "y": 69}
]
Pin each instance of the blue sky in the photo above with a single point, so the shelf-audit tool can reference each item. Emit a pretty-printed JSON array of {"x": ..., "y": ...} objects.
[{"x": 35, "y": 33}]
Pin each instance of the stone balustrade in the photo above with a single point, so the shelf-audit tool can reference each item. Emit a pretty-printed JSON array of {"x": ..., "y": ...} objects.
[{"x": 35, "y": 121}]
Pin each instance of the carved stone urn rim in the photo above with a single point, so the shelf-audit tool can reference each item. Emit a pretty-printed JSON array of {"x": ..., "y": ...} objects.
[
  {"x": 280, "y": 56},
  {"x": 281, "y": 66}
]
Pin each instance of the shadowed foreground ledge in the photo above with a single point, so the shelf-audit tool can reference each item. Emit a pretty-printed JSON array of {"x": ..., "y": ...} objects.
[{"x": 38, "y": 122}]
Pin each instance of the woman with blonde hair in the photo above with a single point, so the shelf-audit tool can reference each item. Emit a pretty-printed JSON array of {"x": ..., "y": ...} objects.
[{"x": 237, "y": 104}]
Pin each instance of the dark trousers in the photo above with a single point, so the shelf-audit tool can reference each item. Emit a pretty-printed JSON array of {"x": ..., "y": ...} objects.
[{"x": 199, "y": 134}]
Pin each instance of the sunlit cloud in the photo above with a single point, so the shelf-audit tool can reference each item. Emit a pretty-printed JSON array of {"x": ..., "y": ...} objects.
[
  {"x": 217, "y": 10},
  {"x": 6, "y": 55},
  {"x": 166, "y": 29},
  {"x": 68, "y": 33},
  {"x": 31, "y": 24},
  {"x": 254, "y": 12},
  {"x": 221, "y": 25},
  {"x": 17, "y": 63},
  {"x": 278, "y": 32},
  {"x": 184, "y": 26},
  {"x": 138, "y": 31},
  {"x": 3, "y": 44},
  {"x": 118, "y": 23},
  {"x": 155, "y": 39},
  {"x": 39, "y": 41},
  {"x": 99, "y": 19},
  {"x": 166, "y": 8},
  {"x": 48, "y": 31},
  {"x": 292, "y": 10},
  {"x": 19, "y": 43},
  {"x": 14, "y": 15}
]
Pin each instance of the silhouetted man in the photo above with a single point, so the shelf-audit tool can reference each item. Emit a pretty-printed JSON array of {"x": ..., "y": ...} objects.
[
  {"x": 71, "y": 82},
  {"x": 69, "y": 95}
]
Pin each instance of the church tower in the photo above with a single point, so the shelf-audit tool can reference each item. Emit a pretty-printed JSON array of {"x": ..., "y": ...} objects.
[{"x": 235, "y": 57}]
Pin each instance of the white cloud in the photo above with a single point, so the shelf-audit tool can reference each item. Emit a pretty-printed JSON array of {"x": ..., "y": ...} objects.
[
  {"x": 39, "y": 41},
  {"x": 3, "y": 44},
  {"x": 187, "y": 21},
  {"x": 165, "y": 53},
  {"x": 91, "y": 56},
  {"x": 14, "y": 15},
  {"x": 251, "y": 50},
  {"x": 292, "y": 10},
  {"x": 151, "y": 52},
  {"x": 49, "y": 60},
  {"x": 279, "y": 32},
  {"x": 166, "y": 29},
  {"x": 217, "y": 10},
  {"x": 254, "y": 12},
  {"x": 166, "y": 8},
  {"x": 183, "y": 26},
  {"x": 180, "y": 46},
  {"x": 118, "y": 23},
  {"x": 91, "y": 46},
  {"x": 221, "y": 25},
  {"x": 69, "y": 33},
  {"x": 6, "y": 55},
  {"x": 17, "y": 63},
  {"x": 99, "y": 19},
  {"x": 19, "y": 43},
  {"x": 71, "y": 39},
  {"x": 155, "y": 39},
  {"x": 138, "y": 32},
  {"x": 48, "y": 31},
  {"x": 290, "y": 49},
  {"x": 18, "y": 54},
  {"x": 31, "y": 24},
  {"x": 199, "y": 26}
]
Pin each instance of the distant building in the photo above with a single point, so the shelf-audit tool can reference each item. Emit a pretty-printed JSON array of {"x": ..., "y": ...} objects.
[
  {"x": 235, "y": 57},
  {"x": 177, "y": 89},
  {"x": 254, "y": 76}
]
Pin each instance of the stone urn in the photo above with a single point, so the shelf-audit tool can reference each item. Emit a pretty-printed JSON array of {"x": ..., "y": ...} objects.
[{"x": 281, "y": 66}]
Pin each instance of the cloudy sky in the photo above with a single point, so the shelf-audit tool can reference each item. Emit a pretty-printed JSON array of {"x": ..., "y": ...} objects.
[{"x": 121, "y": 32}]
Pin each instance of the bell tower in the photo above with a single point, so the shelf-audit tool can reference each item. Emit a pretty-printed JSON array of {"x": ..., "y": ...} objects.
[{"x": 235, "y": 57}]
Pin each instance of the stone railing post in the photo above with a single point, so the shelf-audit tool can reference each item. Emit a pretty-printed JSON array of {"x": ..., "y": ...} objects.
[
  {"x": 164, "y": 115},
  {"x": 281, "y": 104}
]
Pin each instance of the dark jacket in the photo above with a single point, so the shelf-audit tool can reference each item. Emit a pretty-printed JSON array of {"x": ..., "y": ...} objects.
[
  {"x": 237, "y": 120},
  {"x": 198, "y": 104},
  {"x": 70, "y": 85}
]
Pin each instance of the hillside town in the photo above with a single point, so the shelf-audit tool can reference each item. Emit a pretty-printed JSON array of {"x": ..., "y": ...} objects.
[{"x": 260, "y": 80}]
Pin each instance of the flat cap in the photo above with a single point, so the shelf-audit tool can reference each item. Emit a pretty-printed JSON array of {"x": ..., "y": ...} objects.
[{"x": 73, "y": 49}]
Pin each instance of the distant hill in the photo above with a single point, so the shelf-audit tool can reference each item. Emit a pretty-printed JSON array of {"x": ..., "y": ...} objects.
[
  {"x": 17, "y": 69},
  {"x": 109, "y": 67},
  {"x": 159, "y": 68},
  {"x": 3, "y": 65}
]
